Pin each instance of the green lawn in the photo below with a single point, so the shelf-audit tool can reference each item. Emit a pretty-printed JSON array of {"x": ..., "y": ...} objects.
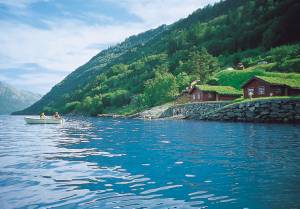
[{"x": 236, "y": 78}]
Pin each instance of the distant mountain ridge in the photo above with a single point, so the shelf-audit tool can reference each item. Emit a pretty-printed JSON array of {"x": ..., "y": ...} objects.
[{"x": 12, "y": 99}]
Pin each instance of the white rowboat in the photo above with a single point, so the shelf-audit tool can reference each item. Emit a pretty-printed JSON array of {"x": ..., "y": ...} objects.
[{"x": 43, "y": 121}]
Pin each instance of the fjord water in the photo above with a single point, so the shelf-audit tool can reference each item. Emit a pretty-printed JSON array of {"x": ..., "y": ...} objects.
[{"x": 112, "y": 163}]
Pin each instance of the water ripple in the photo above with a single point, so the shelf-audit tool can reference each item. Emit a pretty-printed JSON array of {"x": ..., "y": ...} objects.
[{"x": 108, "y": 163}]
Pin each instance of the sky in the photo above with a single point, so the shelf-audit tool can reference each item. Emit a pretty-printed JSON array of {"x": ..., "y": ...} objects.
[{"x": 42, "y": 41}]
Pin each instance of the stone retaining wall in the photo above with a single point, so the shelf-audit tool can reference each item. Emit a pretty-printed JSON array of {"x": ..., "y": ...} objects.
[
  {"x": 192, "y": 110},
  {"x": 269, "y": 110}
]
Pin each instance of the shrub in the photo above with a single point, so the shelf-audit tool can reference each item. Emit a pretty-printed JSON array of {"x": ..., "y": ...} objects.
[
  {"x": 213, "y": 81},
  {"x": 71, "y": 106},
  {"x": 162, "y": 88},
  {"x": 183, "y": 81},
  {"x": 282, "y": 53},
  {"x": 117, "y": 98}
]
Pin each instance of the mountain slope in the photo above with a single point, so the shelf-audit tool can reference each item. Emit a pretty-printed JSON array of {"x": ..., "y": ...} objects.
[
  {"x": 97, "y": 65},
  {"x": 12, "y": 99},
  {"x": 130, "y": 73}
]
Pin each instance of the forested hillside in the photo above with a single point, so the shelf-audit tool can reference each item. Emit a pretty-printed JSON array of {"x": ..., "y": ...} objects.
[{"x": 154, "y": 67}]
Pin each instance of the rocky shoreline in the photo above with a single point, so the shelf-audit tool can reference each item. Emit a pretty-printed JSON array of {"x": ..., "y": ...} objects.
[
  {"x": 279, "y": 110},
  {"x": 273, "y": 110},
  {"x": 191, "y": 110}
]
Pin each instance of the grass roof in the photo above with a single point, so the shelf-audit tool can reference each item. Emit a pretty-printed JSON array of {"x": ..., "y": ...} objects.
[
  {"x": 294, "y": 83},
  {"x": 222, "y": 90}
]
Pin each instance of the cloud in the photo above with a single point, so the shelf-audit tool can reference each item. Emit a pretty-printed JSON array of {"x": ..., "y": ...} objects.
[
  {"x": 37, "y": 82},
  {"x": 17, "y": 3},
  {"x": 158, "y": 12},
  {"x": 31, "y": 77},
  {"x": 62, "y": 46}
]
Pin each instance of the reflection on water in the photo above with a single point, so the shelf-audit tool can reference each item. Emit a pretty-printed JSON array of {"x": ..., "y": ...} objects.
[{"x": 104, "y": 163}]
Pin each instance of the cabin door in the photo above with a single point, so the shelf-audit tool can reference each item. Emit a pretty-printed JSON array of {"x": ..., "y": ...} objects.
[{"x": 250, "y": 92}]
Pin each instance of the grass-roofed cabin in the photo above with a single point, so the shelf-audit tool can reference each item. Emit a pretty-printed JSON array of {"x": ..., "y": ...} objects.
[
  {"x": 262, "y": 86},
  {"x": 202, "y": 93}
]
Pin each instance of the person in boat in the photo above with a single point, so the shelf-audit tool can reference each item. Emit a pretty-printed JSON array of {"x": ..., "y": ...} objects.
[
  {"x": 56, "y": 115},
  {"x": 42, "y": 116}
]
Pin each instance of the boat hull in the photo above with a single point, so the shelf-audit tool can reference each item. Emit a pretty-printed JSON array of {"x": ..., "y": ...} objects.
[{"x": 43, "y": 121}]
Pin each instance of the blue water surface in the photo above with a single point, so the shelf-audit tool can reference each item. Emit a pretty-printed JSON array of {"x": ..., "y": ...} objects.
[{"x": 113, "y": 163}]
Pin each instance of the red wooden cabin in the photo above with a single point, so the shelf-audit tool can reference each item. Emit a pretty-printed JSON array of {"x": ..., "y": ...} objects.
[
  {"x": 261, "y": 86},
  {"x": 202, "y": 93}
]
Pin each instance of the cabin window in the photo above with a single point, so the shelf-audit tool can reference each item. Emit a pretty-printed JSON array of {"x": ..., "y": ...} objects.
[
  {"x": 210, "y": 95},
  {"x": 261, "y": 90},
  {"x": 194, "y": 97},
  {"x": 250, "y": 91},
  {"x": 277, "y": 91},
  {"x": 199, "y": 96}
]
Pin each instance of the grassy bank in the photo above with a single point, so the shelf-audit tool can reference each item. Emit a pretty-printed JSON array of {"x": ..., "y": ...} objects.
[{"x": 242, "y": 100}]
